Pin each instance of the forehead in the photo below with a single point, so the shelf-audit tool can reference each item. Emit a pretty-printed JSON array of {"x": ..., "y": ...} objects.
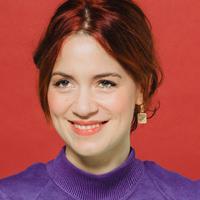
[{"x": 83, "y": 53}]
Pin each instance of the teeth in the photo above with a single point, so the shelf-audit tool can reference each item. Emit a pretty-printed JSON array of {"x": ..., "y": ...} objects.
[{"x": 86, "y": 127}]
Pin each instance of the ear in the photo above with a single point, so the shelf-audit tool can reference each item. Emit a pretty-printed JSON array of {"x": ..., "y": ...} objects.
[{"x": 139, "y": 96}]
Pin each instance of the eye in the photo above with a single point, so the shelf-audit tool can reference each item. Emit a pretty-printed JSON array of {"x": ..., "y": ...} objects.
[
  {"x": 61, "y": 83},
  {"x": 106, "y": 84}
]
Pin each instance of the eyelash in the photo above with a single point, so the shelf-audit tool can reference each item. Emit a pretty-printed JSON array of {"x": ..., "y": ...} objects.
[
  {"x": 111, "y": 83},
  {"x": 58, "y": 83}
]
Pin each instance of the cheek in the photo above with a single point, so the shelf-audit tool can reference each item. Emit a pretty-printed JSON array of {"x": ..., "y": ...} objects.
[
  {"x": 119, "y": 102},
  {"x": 57, "y": 103}
]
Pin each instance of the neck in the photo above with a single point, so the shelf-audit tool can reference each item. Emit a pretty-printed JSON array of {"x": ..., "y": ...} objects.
[{"x": 81, "y": 185}]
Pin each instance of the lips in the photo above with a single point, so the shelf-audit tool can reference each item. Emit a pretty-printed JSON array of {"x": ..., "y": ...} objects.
[
  {"x": 86, "y": 128},
  {"x": 87, "y": 123}
]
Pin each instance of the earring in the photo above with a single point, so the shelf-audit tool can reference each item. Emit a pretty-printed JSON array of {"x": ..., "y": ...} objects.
[{"x": 142, "y": 116}]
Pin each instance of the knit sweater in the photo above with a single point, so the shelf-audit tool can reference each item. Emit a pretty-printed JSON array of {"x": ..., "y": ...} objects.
[{"x": 134, "y": 179}]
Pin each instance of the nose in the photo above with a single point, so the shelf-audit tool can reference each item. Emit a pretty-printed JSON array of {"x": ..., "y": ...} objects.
[{"x": 84, "y": 106}]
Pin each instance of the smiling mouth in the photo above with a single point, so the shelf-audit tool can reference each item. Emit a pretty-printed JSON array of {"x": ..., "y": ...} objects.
[
  {"x": 86, "y": 130},
  {"x": 87, "y": 123}
]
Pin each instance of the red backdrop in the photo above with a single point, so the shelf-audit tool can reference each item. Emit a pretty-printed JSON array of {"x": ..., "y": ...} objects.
[{"x": 171, "y": 138}]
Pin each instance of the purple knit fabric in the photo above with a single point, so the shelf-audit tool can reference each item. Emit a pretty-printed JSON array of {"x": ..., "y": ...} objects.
[{"x": 134, "y": 179}]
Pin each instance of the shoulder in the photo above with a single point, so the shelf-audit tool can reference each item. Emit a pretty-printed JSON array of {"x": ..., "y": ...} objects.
[
  {"x": 172, "y": 184},
  {"x": 27, "y": 183}
]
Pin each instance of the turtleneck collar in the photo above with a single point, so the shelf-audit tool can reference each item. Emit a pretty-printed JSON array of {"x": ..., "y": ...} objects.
[{"x": 83, "y": 185}]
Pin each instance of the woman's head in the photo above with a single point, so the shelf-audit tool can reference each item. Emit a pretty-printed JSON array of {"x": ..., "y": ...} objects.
[
  {"x": 88, "y": 85},
  {"x": 122, "y": 30}
]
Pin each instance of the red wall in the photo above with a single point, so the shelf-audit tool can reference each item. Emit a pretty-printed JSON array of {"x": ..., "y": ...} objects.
[{"x": 171, "y": 138}]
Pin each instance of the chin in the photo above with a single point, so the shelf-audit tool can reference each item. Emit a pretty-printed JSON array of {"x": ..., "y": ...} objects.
[{"x": 87, "y": 150}]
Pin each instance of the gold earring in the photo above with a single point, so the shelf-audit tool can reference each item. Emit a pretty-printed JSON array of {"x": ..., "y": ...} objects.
[{"x": 142, "y": 116}]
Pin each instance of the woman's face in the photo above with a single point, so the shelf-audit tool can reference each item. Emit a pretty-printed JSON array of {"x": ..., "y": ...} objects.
[{"x": 89, "y": 85}]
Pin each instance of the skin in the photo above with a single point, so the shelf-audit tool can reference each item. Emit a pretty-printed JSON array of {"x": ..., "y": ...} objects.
[{"x": 85, "y": 98}]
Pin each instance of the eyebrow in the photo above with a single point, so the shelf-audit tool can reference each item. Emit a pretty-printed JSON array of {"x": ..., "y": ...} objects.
[{"x": 97, "y": 76}]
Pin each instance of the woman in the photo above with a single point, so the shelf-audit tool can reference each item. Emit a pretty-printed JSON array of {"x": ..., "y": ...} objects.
[{"x": 97, "y": 76}]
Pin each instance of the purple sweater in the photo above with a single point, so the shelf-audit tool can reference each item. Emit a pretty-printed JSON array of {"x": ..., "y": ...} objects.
[{"x": 132, "y": 180}]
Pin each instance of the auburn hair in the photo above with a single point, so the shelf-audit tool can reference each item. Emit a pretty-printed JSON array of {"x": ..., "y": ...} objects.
[{"x": 120, "y": 27}]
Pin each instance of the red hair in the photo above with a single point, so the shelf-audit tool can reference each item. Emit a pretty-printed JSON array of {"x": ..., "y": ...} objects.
[{"x": 122, "y": 29}]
